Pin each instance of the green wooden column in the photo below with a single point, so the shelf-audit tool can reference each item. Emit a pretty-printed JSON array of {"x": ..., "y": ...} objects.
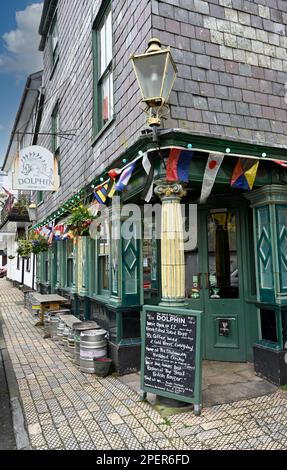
[
  {"x": 116, "y": 257},
  {"x": 83, "y": 265},
  {"x": 59, "y": 278},
  {"x": 270, "y": 237},
  {"x": 74, "y": 288},
  {"x": 53, "y": 267},
  {"x": 38, "y": 269}
]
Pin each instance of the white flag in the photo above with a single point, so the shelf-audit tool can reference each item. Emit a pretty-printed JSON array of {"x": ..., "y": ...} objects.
[
  {"x": 149, "y": 169},
  {"x": 212, "y": 167}
]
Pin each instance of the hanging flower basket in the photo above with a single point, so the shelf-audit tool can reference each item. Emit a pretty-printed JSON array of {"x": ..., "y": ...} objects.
[
  {"x": 24, "y": 248},
  {"x": 80, "y": 221},
  {"x": 39, "y": 244}
]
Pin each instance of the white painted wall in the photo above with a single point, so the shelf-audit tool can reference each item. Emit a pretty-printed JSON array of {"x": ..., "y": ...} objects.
[{"x": 13, "y": 272}]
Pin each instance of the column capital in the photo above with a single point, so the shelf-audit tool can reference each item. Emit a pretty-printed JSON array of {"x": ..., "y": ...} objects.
[{"x": 169, "y": 191}]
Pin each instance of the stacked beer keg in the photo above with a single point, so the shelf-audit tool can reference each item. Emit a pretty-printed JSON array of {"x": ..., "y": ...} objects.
[
  {"x": 93, "y": 345},
  {"x": 85, "y": 341}
]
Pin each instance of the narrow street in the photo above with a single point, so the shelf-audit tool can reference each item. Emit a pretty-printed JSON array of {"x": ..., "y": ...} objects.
[{"x": 66, "y": 409}]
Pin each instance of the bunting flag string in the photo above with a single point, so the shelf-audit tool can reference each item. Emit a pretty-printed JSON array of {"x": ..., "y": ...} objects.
[{"x": 177, "y": 169}]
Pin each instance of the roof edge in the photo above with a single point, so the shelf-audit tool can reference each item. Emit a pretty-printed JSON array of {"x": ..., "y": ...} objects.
[
  {"x": 30, "y": 78},
  {"x": 46, "y": 18}
]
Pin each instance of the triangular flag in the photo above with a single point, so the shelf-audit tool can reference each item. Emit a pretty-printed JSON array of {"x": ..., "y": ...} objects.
[
  {"x": 281, "y": 162},
  {"x": 178, "y": 165},
  {"x": 101, "y": 194},
  {"x": 250, "y": 175},
  {"x": 125, "y": 177},
  {"x": 51, "y": 234},
  {"x": 111, "y": 188},
  {"x": 113, "y": 174},
  {"x": 212, "y": 167},
  {"x": 244, "y": 174},
  {"x": 149, "y": 169}
]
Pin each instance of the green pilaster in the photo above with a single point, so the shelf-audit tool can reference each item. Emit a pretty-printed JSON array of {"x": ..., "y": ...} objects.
[
  {"x": 74, "y": 288},
  {"x": 85, "y": 276},
  {"x": 270, "y": 215},
  {"x": 53, "y": 267},
  {"x": 58, "y": 266},
  {"x": 116, "y": 258}
]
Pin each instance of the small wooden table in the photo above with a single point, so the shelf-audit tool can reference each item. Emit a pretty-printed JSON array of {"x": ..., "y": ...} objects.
[{"x": 48, "y": 302}]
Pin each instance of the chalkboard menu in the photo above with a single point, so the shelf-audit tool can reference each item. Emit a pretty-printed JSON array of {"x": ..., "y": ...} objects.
[{"x": 171, "y": 356}]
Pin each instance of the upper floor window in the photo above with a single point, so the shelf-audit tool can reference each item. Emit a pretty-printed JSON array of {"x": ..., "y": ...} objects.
[
  {"x": 103, "y": 58},
  {"x": 56, "y": 129},
  {"x": 55, "y": 134},
  {"x": 54, "y": 40}
]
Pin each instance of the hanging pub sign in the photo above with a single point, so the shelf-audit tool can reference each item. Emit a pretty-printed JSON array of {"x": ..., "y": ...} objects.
[
  {"x": 36, "y": 169},
  {"x": 171, "y": 354}
]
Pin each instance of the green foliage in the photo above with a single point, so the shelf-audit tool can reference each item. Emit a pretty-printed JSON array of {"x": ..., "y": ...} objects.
[
  {"x": 25, "y": 248},
  {"x": 22, "y": 204},
  {"x": 80, "y": 220},
  {"x": 39, "y": 244}
]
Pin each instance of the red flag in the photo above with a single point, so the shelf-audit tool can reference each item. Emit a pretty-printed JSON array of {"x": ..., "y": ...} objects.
[
  {"x": 281, "y": 162},
  {"x": 7, "y": 192}
]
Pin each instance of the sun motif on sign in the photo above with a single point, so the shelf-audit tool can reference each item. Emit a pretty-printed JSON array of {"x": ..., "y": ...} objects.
[{"x": 34, "y": 165}]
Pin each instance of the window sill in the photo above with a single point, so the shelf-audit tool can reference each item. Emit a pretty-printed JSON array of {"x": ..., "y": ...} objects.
[{"x": 96, "y": 137}]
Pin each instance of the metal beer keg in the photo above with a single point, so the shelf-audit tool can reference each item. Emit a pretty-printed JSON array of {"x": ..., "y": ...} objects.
[{"x": 93, "y": 344}]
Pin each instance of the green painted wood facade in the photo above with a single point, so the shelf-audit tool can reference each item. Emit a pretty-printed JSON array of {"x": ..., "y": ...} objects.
[{"x": 122, "y": 302}]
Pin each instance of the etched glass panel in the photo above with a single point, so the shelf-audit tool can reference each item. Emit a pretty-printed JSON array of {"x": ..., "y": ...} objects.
[
  {"x": 282, "y": 245},
  {"x": 264, "y": 248},
  {"x": 130, "y": 266}
]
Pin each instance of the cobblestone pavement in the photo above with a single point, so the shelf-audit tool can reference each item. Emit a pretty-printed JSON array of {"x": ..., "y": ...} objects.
[{"x": 66, "y": 409}]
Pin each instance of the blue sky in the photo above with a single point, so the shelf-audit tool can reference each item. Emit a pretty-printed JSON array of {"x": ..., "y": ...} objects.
[{"x": 19, "y": 57}]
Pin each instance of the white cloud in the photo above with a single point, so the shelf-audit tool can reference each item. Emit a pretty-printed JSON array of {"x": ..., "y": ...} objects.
[{"x": 21, "y": 44}]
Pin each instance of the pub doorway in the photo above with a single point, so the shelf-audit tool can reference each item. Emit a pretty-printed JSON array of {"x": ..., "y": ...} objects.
[{"x": 218, "y": 274}]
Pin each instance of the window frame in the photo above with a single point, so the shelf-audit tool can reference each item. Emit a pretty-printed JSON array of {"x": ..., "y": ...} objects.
[
  {"x": 99, "y": 76},
  {"x": 28, "y": 264},
  {"x": 54, "y": 50},
  {"x": 69, "y": 258},
  {"x": 100, "y": 256},
  {"x": 56, "y": 139}
]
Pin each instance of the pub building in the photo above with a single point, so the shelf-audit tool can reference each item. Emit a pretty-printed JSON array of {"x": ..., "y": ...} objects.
[{"x": 235, "y": 269}]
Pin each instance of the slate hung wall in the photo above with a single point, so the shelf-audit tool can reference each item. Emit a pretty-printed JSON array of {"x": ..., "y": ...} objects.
[{"x": 232, "y": 62}]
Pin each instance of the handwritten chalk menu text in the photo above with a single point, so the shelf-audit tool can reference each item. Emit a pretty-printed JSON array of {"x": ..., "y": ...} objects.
[{"x": 170, "y": 344}]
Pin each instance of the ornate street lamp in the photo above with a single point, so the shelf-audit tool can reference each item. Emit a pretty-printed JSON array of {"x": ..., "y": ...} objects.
[{"x": 155, "y": 72}]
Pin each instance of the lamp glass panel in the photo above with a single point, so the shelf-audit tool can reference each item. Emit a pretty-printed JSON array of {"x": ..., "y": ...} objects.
[
  {"x": 168, "y": 79},
  {"x": 150, "y": 71}
]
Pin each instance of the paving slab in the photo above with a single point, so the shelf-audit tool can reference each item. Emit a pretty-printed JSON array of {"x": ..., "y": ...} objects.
[{"x": 66, "y": 409}]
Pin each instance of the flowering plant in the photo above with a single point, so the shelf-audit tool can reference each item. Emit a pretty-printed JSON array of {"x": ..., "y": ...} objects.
[
  {"x": 80, "y": 220},
  {"x": 39, "y": 244},
  {"x": 24, "y": 248}
]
